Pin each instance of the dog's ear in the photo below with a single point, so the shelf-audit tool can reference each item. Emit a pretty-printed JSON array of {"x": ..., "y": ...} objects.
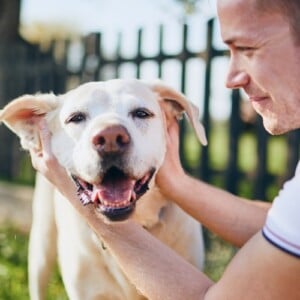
[
  {"x": 175, "y": 104},
  {"x": 21, "y": 116}
]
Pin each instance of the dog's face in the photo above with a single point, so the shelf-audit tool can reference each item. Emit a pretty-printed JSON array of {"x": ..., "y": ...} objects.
[
  {"x": 114, "y": 141},
  {"x": 110, "y": 136}
]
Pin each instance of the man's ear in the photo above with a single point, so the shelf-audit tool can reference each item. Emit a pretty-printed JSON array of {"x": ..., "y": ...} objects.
[
  {"x": 174, "y": 104},
  {"x": 21, "y": 116}
]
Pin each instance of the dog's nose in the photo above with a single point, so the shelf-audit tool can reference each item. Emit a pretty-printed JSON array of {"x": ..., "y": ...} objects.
[{"x": 112, "y": 139}]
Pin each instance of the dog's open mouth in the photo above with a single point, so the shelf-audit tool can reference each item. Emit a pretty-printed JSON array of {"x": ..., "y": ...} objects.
[{"x": 116, "y": 195}]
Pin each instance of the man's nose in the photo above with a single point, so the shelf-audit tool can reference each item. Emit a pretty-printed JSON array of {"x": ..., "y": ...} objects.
[{"x": 236, "y": 77}]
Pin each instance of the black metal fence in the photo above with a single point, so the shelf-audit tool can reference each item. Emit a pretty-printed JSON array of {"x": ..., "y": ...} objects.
[
  {"x": 258, "y": 182},
  {"x": 23, "y": 69}
]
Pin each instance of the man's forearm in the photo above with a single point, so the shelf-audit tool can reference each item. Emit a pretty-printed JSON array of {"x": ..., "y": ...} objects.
[
  {"x": 232, "y": 218},
  {"x": 156, "y": 270}
]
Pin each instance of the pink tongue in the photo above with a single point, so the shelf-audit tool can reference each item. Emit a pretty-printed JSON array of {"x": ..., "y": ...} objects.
[{"x": 114, "y": 191}]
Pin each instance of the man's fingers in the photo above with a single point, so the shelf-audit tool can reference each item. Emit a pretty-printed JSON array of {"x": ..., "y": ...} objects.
[
  {"x": 45, "y": 136},
  {"x": 41, "y": 155},
  {"x": 173, "y": 134}
]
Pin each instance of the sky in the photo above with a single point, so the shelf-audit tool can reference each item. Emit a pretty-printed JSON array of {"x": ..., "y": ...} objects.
[
  {"x": 92, "y": 15},
  {"x": 112, "y": 16}
]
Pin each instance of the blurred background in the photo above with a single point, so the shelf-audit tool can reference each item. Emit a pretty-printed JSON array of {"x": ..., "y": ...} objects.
[{"x": 56, "y": 45}]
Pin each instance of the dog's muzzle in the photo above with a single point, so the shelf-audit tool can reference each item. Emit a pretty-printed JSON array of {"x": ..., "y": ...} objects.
[
  {"x": 116, "y": 195},
  {"x": 117, "y": 191}
]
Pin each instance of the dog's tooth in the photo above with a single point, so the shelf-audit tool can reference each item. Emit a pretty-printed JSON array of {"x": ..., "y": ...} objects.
[
  {"x": 95, "y": 195},
  {"x": 118, "y": 205},
  {"x": 85, "y": 199},
  {"x": 133, "y": 196}
]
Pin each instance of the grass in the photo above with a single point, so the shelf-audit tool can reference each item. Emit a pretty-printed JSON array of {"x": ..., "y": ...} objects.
[
  {"x": 13, "y": 264},
  {"x": 218, "y": 255},
  {"x": 13, "y": 268}
]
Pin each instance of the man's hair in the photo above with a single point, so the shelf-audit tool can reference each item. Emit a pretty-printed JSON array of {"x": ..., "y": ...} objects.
[{"x": 288, "y": 8}]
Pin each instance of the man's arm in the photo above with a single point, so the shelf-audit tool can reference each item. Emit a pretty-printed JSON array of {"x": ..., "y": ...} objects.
[
  {"x": 259, "y": 270},
  {"x": 230, "y": 217}
]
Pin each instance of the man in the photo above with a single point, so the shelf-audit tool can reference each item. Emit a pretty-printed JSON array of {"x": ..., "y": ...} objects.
[{"x": 264, "y": 41}]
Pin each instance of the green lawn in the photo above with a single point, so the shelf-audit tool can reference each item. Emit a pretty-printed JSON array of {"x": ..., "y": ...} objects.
[
  {"x": 13, "y": 258},
  {"x": 13, "y": 268}
]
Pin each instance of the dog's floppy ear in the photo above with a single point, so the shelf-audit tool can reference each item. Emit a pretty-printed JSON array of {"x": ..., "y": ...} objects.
[
  {"x": 21, "y": 115},
  {"x": 175, "y": 104}
]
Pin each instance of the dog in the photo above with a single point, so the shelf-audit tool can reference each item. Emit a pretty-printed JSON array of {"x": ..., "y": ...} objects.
[{"x": 110, "y": 136}]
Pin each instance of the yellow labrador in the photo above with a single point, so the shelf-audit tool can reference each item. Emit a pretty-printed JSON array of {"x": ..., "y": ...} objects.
[{"x": 110, "y": 137}]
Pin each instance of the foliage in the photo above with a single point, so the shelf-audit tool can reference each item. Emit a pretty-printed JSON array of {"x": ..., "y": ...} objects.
[
  {"x": 247, "y": 160},
  {"x": 189, "y": 6},
  {"x": 13, "y": 265},
  {"x": 218, "y": 255},
  {"x": 13, "y": 268}
]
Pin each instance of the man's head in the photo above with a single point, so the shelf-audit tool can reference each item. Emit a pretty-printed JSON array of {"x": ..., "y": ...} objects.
[{"x": 262, "y": 36}]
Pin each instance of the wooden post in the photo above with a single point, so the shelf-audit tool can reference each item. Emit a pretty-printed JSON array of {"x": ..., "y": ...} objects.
[
  {"x": 9, "y": 36},
  {"x": 9, "y": 20}
]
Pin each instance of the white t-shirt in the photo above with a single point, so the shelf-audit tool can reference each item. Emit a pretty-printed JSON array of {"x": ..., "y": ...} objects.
[{"x": 282, "y": 226}]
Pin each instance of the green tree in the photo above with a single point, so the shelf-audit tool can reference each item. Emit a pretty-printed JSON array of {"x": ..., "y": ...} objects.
[{"x": 189, "y": 6}]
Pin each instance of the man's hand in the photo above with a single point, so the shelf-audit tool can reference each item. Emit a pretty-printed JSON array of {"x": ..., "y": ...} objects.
[
  {"x": 171, "y": 171},
  {"x": 46, "y": 163},
  {"x": 43, "y": 159}
]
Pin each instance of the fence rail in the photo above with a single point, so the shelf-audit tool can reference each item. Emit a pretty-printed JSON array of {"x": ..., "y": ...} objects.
[{"x": 93, "y": 66}]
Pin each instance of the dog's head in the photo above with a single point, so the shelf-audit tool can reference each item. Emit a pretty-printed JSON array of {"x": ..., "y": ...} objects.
[{"x": 110, "y": 136}]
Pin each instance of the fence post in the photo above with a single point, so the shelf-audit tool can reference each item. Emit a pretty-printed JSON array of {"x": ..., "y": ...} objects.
[
  {"x": 204, "y": 170},
  {"x": 261, "y": 176},
  {"x": 293, "y": 153},
  {"x": 231, "y": 180}
]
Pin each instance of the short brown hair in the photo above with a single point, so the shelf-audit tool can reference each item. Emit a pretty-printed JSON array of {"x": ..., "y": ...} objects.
[{"x": 289, "y": 8}]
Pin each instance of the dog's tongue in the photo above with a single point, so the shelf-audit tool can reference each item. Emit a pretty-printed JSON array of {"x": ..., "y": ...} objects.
[{"x": 114, "y": 191}]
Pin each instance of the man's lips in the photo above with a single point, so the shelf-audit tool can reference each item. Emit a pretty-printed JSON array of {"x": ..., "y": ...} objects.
[{"x": 258, "y": 98}]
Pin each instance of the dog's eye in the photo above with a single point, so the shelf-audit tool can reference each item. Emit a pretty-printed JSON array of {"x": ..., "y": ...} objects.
[
  {"x": 142, "y": 113},
  {"x": 76, "y": 118}
]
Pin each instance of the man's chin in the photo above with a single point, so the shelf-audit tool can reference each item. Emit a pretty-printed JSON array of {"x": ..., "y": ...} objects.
[{"x": 275, "y": 127}]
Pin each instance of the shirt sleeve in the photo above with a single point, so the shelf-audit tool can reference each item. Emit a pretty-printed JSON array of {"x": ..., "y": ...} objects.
[{"x": 282, "y": 227}]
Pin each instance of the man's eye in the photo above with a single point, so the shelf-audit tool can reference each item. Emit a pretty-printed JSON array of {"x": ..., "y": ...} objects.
[
  {"x": 142, "y": 113},
  {"x": 76, "y": 118},
  {"x": 244, "y": 49}
]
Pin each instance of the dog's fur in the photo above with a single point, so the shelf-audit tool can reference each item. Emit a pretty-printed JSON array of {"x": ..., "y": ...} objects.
[{"x": 99, "y": 126}]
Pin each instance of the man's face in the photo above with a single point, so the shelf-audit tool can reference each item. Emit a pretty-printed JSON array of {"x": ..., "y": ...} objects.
[{"x": 265, "y": 62}]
